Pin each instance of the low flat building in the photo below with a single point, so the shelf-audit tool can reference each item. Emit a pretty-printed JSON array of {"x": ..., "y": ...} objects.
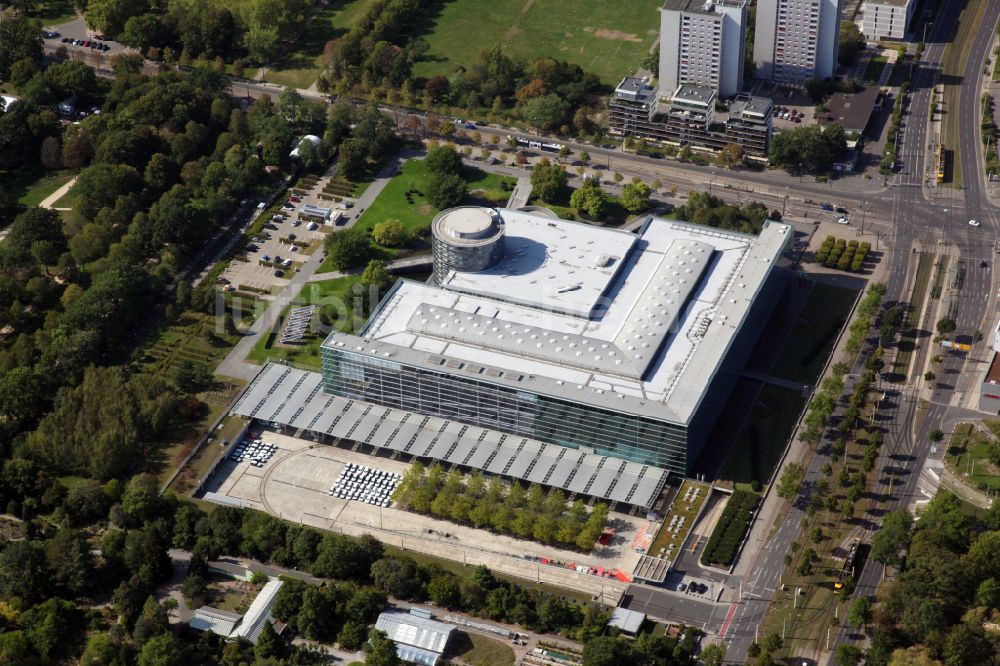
[
  {"x": 626, "y": 621},
  {"x": 687, "y": 117},
  {"x": 886, "y": 19},
  {"x": 418, "y": 639},
  {"x": 852, "y": 111},
  {"x": 247, "y": 626},
  {"x": 989, "y": 391},
  {"x": 320, "y": 214}
]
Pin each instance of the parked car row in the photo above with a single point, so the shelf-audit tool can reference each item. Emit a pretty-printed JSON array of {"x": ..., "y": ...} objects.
[
  {"x": 256, "y": 451},
  {"x": 85, "y": 43},
  {"x": 785, "y": 113}
]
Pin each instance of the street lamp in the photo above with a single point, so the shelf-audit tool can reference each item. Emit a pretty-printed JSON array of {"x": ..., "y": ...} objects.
[{"x": 712, "y": 180}]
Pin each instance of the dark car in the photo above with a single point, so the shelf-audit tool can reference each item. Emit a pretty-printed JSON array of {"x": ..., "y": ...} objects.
[
  {"x": 279, "y": 273},
  {"x": 50, "y": 34},
  {"x": 291, "y": 236},
  {"x": 826, "y": 206},
  {"x": 841, "y": 210}
]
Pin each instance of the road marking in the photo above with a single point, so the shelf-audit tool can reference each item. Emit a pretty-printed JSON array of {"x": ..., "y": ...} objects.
[{"x": 729, "y": 618}]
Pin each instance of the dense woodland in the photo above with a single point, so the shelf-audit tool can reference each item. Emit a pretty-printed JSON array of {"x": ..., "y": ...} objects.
[{"x": 946, "y": 587}]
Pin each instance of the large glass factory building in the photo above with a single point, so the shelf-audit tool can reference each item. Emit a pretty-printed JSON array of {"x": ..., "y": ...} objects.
[
  {"x": 588, "y": 359},
  {"x": 596, "y": 339}
]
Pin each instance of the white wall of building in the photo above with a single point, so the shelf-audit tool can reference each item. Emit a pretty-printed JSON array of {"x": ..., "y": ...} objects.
[
  {"x": 703, "y": 47},
  {"x": 886, "y": 20},
  {"x": 796, "y": 40}
]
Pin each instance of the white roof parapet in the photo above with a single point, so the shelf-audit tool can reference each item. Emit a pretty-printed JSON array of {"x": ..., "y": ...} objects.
[{"x": 688, "y": 326}]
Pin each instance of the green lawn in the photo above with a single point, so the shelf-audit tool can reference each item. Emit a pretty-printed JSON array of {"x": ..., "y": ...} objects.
[
  {"x": 814, "y": 333},
  {"x": 302, "y": 65},
  {"x": 53, "y": 12},
  {"x": 481, "y": 651},
  {"x": 403, "y": 199},
  {"x": 968, "y": 455},
  {"x": 608, "y": 38},
  {"x": 336, "y": 297},
  {"x": 763, "y": 437},
  {"x": 44, "y": 186},
  {"x": 875, "y": 67}
]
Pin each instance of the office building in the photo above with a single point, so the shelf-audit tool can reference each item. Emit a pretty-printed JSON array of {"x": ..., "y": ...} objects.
[
  {"x": 701, "y": 42},
  {"x": 588, "y": 338},
  {"x": 688, "y": 117},
  {"x": 886, "y": 19},
  {"x": 796, "y": 40}
]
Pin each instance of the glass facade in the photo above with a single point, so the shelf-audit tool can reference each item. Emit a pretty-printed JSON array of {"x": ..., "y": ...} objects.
[{"x": 482, "y": 403}]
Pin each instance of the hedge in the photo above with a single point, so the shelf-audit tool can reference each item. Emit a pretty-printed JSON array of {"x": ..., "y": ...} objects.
[{"x": 731, "y": 528}]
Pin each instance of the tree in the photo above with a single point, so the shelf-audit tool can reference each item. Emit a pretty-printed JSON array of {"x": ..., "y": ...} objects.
[
  {"x": 635, "y": 197},
  {"x": 859, "y": 614},
  {"x": 99, "y": 651},
  {"x": 791, "y": 479},
  {"x": 141, "y": 498},
  {"x": 151, "y": 623},
  {"x": 713, "y": 654},
  {"x": 988, "y": 593},
  {"x": 381, "y": 651},
  {"x": 590, "y": 199},
  {"x": 893, "y": 537},
  {"x": 813, "y": 148},
  {"x": 164, "y": 650},
  {"x": 546, "y": 111},
  {"x": 443, "y": 160},
  {"x": 397, "y": 577},
  {"x": 353, "y": 159},
  {"x": 847, "y": 654},
  {"x": 548, "y": 180},
  {"x": 852, "y": 43},
  {"x": 446, "y": 190},
  {"x": 390, "y": 233},
  {"x": 444, "y": 591},
  {"x": 269, "y": 644},
  {"x": 945, "y": 325},
  {"x": 605, "y": 651},
  {"x": 772, "y": 643},
  {"x": 20, "y": 38},
  {"x": 24, "y": 572},
  {"x": 110, "y": 16},
  {"x": 967, "y": 644},
  {"x": 732, "y": 155},
  {"x": 47, "y": 625},
  {"x": 375, "y": 274},
  {"x": 347, "y": 249}
]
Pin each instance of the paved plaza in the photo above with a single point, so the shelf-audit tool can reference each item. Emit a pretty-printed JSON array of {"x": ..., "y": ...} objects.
[{"x": 294, "y": 485}]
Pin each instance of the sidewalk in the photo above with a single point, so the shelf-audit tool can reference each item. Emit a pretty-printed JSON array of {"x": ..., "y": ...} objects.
[{"x": 57, "y": 195}]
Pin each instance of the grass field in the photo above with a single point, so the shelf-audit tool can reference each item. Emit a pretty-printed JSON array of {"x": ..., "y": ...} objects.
[
  {"x": 337, "y": 294},
  {"x": 953, "y": 62},
  {"x": 37, "y": 192},
  {"x": 403, "y": 199},
  {"x": 53, "y": 12},
  {"x": 968, "y": 455},
  {"x": 875, "y": 67},
  {"x": 814, "y": 333},
  {"x": 479, "y": 650},
  {"x": 759, "y": 443},
  {"x": 301, "y": 66},
  {"x": 608, "y": 38}
]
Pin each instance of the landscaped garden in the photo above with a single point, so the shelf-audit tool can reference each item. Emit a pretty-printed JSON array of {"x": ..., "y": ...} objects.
[
  {"x": 405, "y": 199},
  {"x": 525, "y": 513},
  {"x": 683, "y": 511},
  {"x": 335, "y": 301},
  {"x": 975, "y": 455},
  {"x": 731, "y": 528}
]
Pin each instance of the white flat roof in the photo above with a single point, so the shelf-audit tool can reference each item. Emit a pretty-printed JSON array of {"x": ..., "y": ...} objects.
[
  {"x": 550, "y": 264},
  {"x": 673, "y": 301}
]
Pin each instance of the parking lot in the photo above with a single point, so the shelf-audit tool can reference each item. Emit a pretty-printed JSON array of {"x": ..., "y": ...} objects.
[
  {"x": 295, "y": 484},
  {"x": 270, "y": 260}
]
